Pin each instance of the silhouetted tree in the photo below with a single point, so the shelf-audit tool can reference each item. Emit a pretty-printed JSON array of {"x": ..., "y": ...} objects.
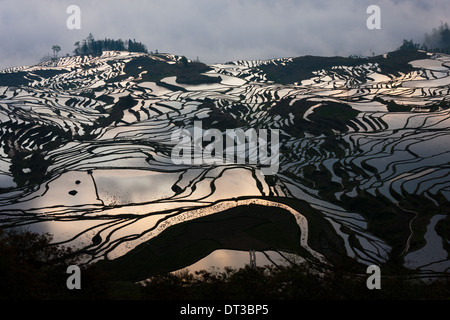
[
  {"x": 438, "y": 40},
  {"x": 56, "y": 49},
  {"x": 409, "y": 45},
  {"x": 96, "y": 47},
  {"x": 29, "y": 265},
  {"x": 77, "y": 50},
  {"x": 84, "y": 48}
]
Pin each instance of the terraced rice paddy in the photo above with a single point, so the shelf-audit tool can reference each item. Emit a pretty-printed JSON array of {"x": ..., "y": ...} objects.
[{"x": 86, "y": 152}]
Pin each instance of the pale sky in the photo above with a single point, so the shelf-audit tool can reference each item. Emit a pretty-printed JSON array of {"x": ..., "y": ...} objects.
[{"x": 217, "y": 30}]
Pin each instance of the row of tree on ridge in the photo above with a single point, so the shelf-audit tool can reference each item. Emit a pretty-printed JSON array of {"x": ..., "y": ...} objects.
[{"x": 90, "y": 46}]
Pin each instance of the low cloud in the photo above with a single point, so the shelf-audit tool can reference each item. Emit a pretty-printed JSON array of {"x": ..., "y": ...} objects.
[{"x": 217, "y": 31}]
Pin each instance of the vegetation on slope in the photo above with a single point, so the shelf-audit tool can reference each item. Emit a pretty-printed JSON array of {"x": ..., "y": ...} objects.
[
  {"x": 303, "y": 68},
  {"x": 31, "y": 268},
  {"x": 90, "y": 46}
]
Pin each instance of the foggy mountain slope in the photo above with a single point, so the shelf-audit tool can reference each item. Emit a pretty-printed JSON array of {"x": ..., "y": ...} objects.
[{"x": 86, "y": 150}]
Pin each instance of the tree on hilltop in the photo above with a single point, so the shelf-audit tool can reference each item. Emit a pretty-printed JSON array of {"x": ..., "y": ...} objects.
[
  {"x": 96, "y": 47},
  {"x": 56, "y": 49},
  {"x": 439, "y": 39},
  {"x": 409, "y": 45}
]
